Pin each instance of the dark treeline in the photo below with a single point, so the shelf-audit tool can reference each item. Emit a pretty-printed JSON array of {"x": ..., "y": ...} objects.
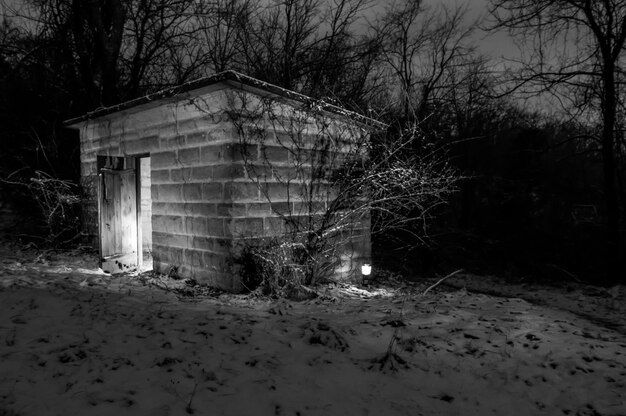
[{"x": 533, "y": 201}]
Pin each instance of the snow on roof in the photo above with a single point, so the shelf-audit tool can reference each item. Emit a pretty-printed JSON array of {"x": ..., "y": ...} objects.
[{"x": 233, "y": 79}]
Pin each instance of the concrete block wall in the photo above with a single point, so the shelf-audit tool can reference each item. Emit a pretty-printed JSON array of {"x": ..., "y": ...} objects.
[
  {"x": 280, "y": 170},
  {"x": 190, "y": 168},
  {"x": 209, "y": 189}
]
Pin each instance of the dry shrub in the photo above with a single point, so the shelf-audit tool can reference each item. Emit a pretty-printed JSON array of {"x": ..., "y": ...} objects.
[
  {"x": 57, "y": 202},
  {"x": 277, "y": 267}
]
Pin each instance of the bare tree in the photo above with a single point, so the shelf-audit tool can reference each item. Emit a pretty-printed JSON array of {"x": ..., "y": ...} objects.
[
  {"x": 156, "y": 31},
  {"x": 577, "y": 45},
  {"x": 222, "y": 26},
  {"x": 98, "y": 28},
  {"x": 420, "y": 46},
  {"x": 113, "y": 50},
  {"x": 309, "y": 46},
  {"x": 107, "y": 51}
]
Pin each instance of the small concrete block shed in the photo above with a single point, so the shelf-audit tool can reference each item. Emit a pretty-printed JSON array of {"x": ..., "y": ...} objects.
[{"x": 168, "y": 177}]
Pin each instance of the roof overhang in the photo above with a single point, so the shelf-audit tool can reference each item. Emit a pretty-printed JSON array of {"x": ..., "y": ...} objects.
[{"x": 212, "y": 83}]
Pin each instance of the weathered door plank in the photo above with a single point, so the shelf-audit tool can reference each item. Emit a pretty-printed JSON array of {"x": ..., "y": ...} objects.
[{"x": 118, "y": 220}]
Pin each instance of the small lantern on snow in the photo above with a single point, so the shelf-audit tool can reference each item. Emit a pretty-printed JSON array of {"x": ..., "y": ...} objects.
[{"x": 366, "y": 271}]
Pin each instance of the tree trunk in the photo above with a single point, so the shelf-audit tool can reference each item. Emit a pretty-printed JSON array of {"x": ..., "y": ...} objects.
[
  {"x": 612, "y": 215},
  {"x": 98, "y": 28}
]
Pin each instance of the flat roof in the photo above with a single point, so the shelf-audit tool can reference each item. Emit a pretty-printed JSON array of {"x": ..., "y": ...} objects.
[{"x": 232, "y": 78}]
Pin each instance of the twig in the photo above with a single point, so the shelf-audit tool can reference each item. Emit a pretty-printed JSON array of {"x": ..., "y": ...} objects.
[
  {"x": 189, "y": 409},
  {"x": 569, "y": 274},
  {"x": 441, "y": 280}
]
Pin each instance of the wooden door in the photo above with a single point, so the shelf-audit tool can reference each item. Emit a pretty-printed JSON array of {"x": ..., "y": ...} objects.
[{"x": 118, "y": 220}]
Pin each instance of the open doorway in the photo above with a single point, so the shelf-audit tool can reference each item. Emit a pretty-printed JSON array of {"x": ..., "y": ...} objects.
[
  {"x": 125, "y": 214},
  {"x": 145, "y": 184},
  {"x": 118, "y": 213}
]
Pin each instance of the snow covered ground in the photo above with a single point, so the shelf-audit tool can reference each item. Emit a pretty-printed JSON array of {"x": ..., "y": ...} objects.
[{"x": 74, "y": 341}]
